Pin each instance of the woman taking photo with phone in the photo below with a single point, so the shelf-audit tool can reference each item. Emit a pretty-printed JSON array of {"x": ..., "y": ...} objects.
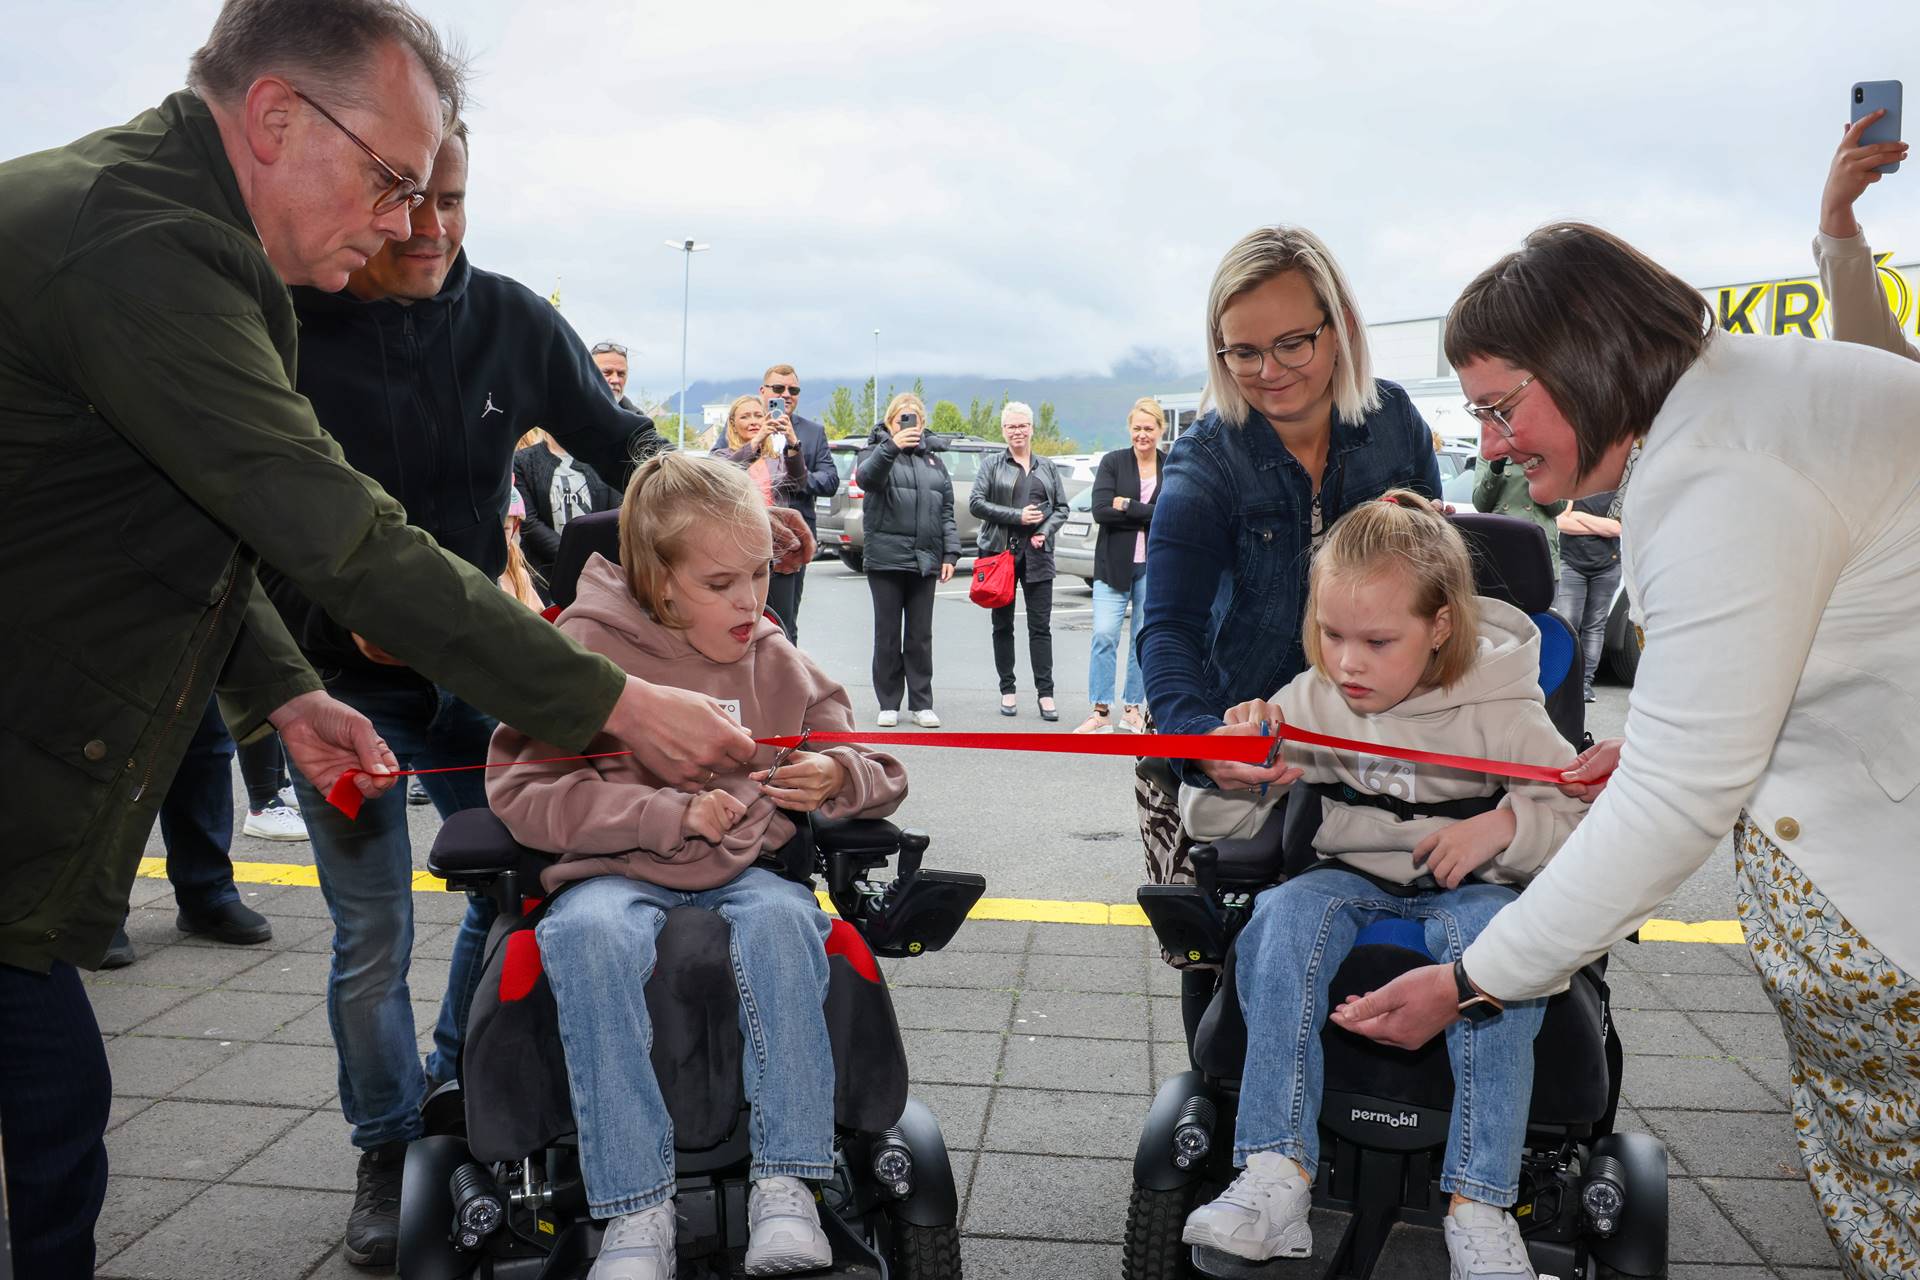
[
  {"x": 1123, "y": 492},
  {"x": 766, "y": 446},
  {"x": 1020, "y": 501},
  {"x": 912, "y": 545}
]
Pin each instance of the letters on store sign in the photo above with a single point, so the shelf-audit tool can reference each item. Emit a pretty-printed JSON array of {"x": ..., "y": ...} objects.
[{"x": 1798, "y": 306}]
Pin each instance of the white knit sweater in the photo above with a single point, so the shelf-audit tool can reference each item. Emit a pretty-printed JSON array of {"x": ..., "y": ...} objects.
[{"x": 1771, "y": 543}]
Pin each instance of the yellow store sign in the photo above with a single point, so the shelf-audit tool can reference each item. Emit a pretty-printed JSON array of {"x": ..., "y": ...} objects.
[{"x": 1799, "y": 306}]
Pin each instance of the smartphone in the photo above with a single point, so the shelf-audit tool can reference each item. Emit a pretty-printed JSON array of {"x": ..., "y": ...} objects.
[
  {"x": 1870, "y": 96},
  {"x": 776, "y": 408},
  {"x": 909, "y": 420}
]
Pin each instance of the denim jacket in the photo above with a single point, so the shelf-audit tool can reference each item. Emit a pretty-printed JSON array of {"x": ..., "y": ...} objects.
[{"x": 1228, "y": 550}]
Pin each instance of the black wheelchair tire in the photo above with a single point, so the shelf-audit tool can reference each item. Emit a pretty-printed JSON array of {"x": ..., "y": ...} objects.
[
  {"x": 1153, "y": 1249},
  {"x": 925, "y": 1253}
]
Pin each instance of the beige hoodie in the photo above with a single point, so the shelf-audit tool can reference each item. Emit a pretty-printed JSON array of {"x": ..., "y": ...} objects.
[
  {"x": 1494, "y": 712},
  {"x": 612, "y": 817}
]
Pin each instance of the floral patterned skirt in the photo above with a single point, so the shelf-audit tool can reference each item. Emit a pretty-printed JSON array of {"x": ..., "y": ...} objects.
[{"x": 1852, "y": 1020}]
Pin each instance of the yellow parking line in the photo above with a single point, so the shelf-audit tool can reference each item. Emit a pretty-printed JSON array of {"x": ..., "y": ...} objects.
[{"x": 1025, "y": 910}]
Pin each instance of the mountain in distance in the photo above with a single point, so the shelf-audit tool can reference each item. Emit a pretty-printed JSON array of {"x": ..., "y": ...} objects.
[{"x": 1092, "y": 409}]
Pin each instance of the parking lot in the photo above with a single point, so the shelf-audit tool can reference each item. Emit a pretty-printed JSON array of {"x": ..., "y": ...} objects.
[{"x": 1037, "y": 1043}]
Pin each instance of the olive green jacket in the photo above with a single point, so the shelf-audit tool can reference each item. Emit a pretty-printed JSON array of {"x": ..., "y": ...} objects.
[
  {"x": 1504, "y": 493},
  {"x": 153, "y": 451}
]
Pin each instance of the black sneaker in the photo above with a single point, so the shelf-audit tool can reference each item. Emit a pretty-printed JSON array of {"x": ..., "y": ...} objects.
[
  {"x": 417, "y": 792},
  {"x": 373, "y": 1228},
  {"x": 229, "y": 922},
  {"x": 119, "y": 951}
]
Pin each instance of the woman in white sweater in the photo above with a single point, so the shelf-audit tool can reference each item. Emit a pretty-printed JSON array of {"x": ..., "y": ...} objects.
[{"x": 1771, "y": 515}]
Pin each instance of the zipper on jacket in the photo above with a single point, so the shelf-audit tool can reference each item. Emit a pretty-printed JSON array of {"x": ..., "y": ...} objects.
[
  {"x": 193, "y": 669},
  {"x": 425, "y": 417}
]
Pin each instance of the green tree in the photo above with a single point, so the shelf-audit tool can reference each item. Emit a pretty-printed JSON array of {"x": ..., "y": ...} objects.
[
  {"x": 844, "y": 415},
  {"x": 947, "y": 420},
  {"x": 983, "y": 417},
  {"x": 1047, "y": 436}
]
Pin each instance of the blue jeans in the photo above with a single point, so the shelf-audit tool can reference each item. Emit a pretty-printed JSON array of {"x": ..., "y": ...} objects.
[
  {"x": 366, "y": 873},
  {"x": 1585, "y": 600},
  {"x": 196, "y": 819},
  {"x": 1109, "y": 614},
  {"x": 597, "y": 945},
  {"x": 1286, "y": 958}
]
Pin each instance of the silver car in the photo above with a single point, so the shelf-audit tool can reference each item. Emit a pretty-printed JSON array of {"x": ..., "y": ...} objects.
[{"x": 842, "y": 530}]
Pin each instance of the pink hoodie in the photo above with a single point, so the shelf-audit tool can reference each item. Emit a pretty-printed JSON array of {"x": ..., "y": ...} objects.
[{"x": 612, "y": 817}]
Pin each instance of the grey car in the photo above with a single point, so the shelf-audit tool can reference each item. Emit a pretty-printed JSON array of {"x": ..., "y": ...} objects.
[{"x": 840, "y": 521}]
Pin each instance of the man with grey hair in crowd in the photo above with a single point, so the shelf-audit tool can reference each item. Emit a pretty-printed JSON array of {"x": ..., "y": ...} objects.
[{"x": 147, "y": 347}]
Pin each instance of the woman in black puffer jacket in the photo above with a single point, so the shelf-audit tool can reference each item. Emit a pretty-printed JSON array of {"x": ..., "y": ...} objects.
[
  {"x": 911, "y": 547},
  {"x": 1022, "y": 502}
]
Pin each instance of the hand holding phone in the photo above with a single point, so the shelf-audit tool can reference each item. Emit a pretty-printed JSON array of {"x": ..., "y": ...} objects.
[
  {"x": 1881, "y": 99},
  {"x": 1869, "y": 147}
]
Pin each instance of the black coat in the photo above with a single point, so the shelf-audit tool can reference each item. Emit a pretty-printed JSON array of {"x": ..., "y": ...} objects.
[
  {"x": 533, "y": 469},
  {"x": 907, "y": 514},
  {"x": 1119, "y": 477},
  {"x": 999, "y": 495}
]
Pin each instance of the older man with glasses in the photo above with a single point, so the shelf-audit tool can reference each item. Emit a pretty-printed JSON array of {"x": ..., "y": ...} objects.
[
  {"x": 149, "y": 355},
  {"x": 610, "y": 358}
]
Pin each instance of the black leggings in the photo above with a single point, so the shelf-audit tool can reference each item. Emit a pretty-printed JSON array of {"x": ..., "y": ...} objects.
[
  {"x": 1039, "y": 600},
  {"x": 263, "y": 768}
]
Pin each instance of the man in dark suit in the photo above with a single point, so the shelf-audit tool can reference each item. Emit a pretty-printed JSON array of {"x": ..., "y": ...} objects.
[{"x": 780, "y": 383}]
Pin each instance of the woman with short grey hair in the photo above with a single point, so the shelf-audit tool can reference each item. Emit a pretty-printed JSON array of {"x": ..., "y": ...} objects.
[{"x": 1021, "y": 502}]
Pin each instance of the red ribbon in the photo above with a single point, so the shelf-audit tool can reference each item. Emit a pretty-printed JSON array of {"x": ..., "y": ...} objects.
[{"x": 1233, "y": 748}]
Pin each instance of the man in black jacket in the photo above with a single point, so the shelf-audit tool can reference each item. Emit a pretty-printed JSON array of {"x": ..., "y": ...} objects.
[
  {"x": 780, "y": 383},
  {"x": 426, "y": 370}
]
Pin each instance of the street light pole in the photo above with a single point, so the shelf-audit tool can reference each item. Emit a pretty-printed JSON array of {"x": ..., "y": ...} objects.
[
  {"x": 878, "y": 412},
  {"x": 689, "y": 248}
]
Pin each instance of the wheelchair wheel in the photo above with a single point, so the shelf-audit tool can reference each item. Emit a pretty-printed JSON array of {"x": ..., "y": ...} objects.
[
  {"x": 1152, "y": 1250},
  {"x": 925, "y": 1253}
]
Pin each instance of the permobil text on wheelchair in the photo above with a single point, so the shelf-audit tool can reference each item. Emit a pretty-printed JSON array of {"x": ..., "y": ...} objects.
[
  {"x": 1591, "y": 1199},
  {"x": 494, "y": 1191}
]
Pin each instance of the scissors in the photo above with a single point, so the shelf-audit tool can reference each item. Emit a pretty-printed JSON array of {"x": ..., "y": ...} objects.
[{"x": 780, "y": 757}]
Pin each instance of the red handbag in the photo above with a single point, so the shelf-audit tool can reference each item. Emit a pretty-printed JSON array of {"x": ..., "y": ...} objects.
[{"x": 993, "y": 581}]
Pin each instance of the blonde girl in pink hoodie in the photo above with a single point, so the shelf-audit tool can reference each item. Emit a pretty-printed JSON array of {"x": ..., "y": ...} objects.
[{"x": 684, "y": 608}]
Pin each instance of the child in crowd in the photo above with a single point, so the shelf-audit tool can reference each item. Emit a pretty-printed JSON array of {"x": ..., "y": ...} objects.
[
  {"x": 517, "y": 579},
  {"x": 1402, "y": 652},
  {"x": 684, "y": 609}
]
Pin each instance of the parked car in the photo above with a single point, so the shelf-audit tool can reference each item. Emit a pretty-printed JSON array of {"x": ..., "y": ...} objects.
[
  {"x": 1073, "y": 549},
  {"x": 841, "y": 526},
  {"x": 830, "y": 513}
]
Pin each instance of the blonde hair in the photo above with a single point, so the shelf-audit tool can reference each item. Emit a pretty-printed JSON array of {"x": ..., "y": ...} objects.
[
  {"x": 533, "y": 435},
  {"x": 674, "y": 501},
  {"x": 898, "y": 405},
  {"x": 1402, "y": 533},
  {"x": 736, "y": 437},
  {"x": 1262, "y": 255},
  {"x": 517, "y": 578},
  {"x": 1147, "y": 404},
  {"x": 777, "y": 371}
]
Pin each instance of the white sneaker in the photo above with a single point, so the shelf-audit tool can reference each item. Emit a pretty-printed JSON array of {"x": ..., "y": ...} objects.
[
  {"x": 637, "y": 1246},
  {"x": 275, "y": 822},
  {"x": 1484, "y": 1242},
  {"x": 1262, "y": 1215},
  {"x": 289, "y": 799},
  {"x": 783, "y": 1226},
  {"x": 926, "y": 719},
  {"x": 887, "y": 719}
]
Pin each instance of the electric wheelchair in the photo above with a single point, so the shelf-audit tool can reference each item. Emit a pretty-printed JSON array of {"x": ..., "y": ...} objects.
[
  {"x": 494, "y": 1190},
  {"x": 1590, "y": 1200}
]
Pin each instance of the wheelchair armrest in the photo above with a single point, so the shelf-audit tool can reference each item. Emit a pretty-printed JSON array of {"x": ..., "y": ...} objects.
[
  {"x": 870, "y": 841},
  {"x": 475, "y": 851},
  {"x": 1255, "y": 862}
]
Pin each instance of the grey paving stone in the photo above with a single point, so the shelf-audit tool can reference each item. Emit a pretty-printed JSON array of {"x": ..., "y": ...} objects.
[
  {"x": 121, "y": 1110},
  {"x": 121, "y": 1006},
  {"x": 992, "y": 970},
  {"x": 1698, "y": 1232},
  {"x": 155, "y": 1066},
  {"x": 152, "y": 927},
  {"x": 992, "y": 935},
  {"x": 1701, "y": 1271},
  {"x": 239, "y": 1233},
  {"x": 1724, "y": 1144},
  {"x": 310, "y": 1027},
  {"x": 135, "y": 1206},
  {"x": 1043, "y": 1122},
  {"x": 1125, "y": 974},
  {"x": 961, "y": 1110},
  {"x": 1662, "y": 1034},
  {"x": 440, "y": 907},
  {"x": 1168, "y": 1026},
  {"x": 317, "y": 1153},
  {"x": 1090, "y": 940},
  {"x": 1636, "y": 991},
  {"x": 434, "y": 941},
  {"x": 284, "y": 1075},
  {"x": 1053, "y": 1062},
  {"x": 1712, "y": 992},
  {"x": 150, "y": 891},
  {"x": 301, "y": 900},
  {"x": 952, "y": 1009},
  {"x": 427, "y": 977},
  {"x": 202, "y": 1140},
  {"x": 196, "y": 967},
  {"x": 952, "y": 1057},
  {"x": 1704, "y": 1083},
  {"x": 987, "y": 1259},
  {"x": 1745, "y": 1035},
  {"x": 1681, "y": 957},
  {"x": 1084, "y": 1200},
  {"x": 289, "y": 972},
  {"x": 317, "y": 939},
  {"x": 1774, "y": 1074},
  {"x": 232, "y": 1015},
  {"x": 1095, "y": 1015},
  {"x": 1162, "y": 978},
  {"x": 1811, "y": 1273},
  {"x": 1780, "y": 1217}
]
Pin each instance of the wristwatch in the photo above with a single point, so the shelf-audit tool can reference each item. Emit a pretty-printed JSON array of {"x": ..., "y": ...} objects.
[{"x": 1475, "y": 1004}]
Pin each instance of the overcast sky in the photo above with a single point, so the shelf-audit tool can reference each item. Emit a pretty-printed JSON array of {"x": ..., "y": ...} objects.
[{"x": 1044, "y": 187}]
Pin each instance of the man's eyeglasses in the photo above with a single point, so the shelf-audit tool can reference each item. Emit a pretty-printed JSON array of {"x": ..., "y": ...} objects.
[
  {"x": 1496, "y": 413},
  {"x": 1288, "y": 353},
  {"x": 781, "y": 389},
  {"x": 401, "y": 191},
  {"x": 605, "y": 348}
]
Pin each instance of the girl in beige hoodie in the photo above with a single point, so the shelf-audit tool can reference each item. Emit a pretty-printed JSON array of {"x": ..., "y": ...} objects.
[
  {"x": 1402, "y": 652},
  {"x": 685, "y": 609}
]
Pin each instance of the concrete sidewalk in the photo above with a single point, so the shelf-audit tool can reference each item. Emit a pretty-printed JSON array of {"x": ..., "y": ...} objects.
[{"x": 1038, "y": 1046}]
